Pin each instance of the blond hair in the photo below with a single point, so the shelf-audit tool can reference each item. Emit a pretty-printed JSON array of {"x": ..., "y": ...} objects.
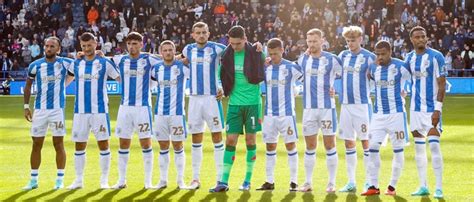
[{"x": 352, "y": 32}]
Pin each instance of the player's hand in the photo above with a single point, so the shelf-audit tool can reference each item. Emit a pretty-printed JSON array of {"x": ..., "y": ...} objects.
[
  {"x": 259, "y": 46},
  {"x": 267, "y": 61},
  {"x": 220, "y": 94},
  {"x": 100, "y": 53},
  {"x": 403, "y": 94},
  {"x": 79, "y": 55},
  {"x": 435, "y": 118},
  {"x": 332, "y": 92},
  {"x": 307, "y": 52},
  {"x": 28, "y": 115}
]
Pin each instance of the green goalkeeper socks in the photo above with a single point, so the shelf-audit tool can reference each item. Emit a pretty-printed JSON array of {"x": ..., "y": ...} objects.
[
  {"x": 251, "y": 156},
  {"x": 229, "y": 156}
]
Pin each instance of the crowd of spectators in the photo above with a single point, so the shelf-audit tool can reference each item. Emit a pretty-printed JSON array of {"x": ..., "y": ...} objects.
[{"x": 24, "y": 24}]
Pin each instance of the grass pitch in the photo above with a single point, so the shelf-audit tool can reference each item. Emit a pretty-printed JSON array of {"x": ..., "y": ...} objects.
[{"x": 15, "y": 147}]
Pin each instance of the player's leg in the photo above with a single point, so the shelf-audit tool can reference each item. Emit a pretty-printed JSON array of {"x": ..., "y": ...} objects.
[
  {"x": 252, "y": 121},
  {"x": 377, "y": 136},
  {"x": 124, "y": 131},
  {"x": 58, "y": 144},
  {"x": 270, "y": 138},
  {"x": 80, "y": 135},
  {"x": 101, "y": 128},
  {"x": 144, "y": 134},
  {"x": 310, "y": 131},
  {"x": 364, "y": 113},
  {"x": 398, "y": 122},
  {"x": 234, "y": 127},
  {"x": 196, "y": 128},
  {"x": 58, "y": 131},
  {"x": 290, "y": 133},
  {"x": 329, "y": 127},
  {"x": 347, "y": 133},
  {"x": 421, "y": 159},
  {"x": 38, "y": 131},
  {"x": 215, "y": 122},
  {"x": 436, "y": 160},
  {"x": 162, "y": 133},
  {"x": 178, "y": 136}
]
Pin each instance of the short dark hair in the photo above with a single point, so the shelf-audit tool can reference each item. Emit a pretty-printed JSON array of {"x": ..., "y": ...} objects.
[
  {"x": 54, "y": 39},
  {"x": 236, "y": 32},
  {"x": 134, "y": 36},
  {"x": 417, "y": 28},
  {"x": 383, "y": 44},
  {"x": 87, "y": 36},
  {"x": 274, "y": 43},
  {"x": 167, "y": 42}
]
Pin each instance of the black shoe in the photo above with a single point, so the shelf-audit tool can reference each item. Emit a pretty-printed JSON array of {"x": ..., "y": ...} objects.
[
  {"x": 293, "y": 186},
  {"x": 266, "y": 186}
]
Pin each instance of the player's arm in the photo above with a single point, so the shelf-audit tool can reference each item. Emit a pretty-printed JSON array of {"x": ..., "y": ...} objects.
[
  {"x": 440, "y": 73},
  {"x": 112, "y": 70},
  {"x": 26, "y": 99}
]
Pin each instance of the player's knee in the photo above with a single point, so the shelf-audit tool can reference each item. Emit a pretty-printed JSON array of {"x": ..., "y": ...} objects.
[
  {"x": 289, "y": 146},
  {"x": 177, "y": 146},
  {"x": 250, "y": 141},
  {"x": 58, "y": 145},
  {"x": 103, "y": 145},
  {"x": 350, "y": 144},
  {"x": 217, "y": 137},
  {"x": 416, "y": 134},
  {"x": 271, "y": 147}
]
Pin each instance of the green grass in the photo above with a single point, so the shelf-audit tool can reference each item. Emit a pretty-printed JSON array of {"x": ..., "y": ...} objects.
[{"x": 15, "y": 147}]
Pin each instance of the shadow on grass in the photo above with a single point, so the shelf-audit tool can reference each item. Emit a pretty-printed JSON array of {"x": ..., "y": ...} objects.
[
  {"x": 266, "y": 196},
  {"x": 330, "y": 197},
  {"x": 63, "y": 196},
  {"x": 88, "y": 195},
  {"x": 109, "y": 196},
  {"x": 168, "y": 195},
  {"x": 375, "y": 198},
  {"x": 152, "y": 195},
  {"x": 245, "y": 196},
  {"x": 14, "y": 197},
  {"x": 134, "y": 195},
  {"x": 308, "y": 196},
  {"x": 289, "y": 197},
  {"x": 34, "y": 198},
  {"x": 187, "y": 196},
  {"x": 219, "y": 196},
  {"x": 399, "y": 199},
  {"x": 351, "y": 196}
]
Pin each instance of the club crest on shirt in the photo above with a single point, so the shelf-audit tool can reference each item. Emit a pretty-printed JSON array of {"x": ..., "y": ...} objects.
[
  {"x": 323, "y": 61},
  {"x": 426, "y": 63},
  {"x": 394, "y": 71},
  {"x": 143, "y": 63},
  {"x": 361, "y": 60},
  {"x": 284, "y": 72},
  {"x": 176, "y": 71},
  {"x": 57, "y": 66}
]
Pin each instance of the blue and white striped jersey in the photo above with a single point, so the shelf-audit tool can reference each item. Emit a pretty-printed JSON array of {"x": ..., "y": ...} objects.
[
  {"x": 355, "y": 84},
  {"x": 135, "y": 78},
  {"x": 425, "y": 69},
  {"x": 389, "y": 82},
  {"x": 50, "y": 78},
  {"x": 171, "y": 85},
  {"x": 279, "y": 83},
  {"x": 318, "y": 78},
  {"x": 91, "y": 84},
  {"x": 203, "y": 66}
]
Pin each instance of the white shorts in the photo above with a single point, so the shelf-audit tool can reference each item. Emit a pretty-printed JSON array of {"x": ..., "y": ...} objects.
[
  {"x": 83, "y": 124},
  {"x": 170, "y": 128},
  {"x": 354, "y": 121},
  {"x": 274, "y": 125},
  {"x": 205, "y": 109},
  {"x": 48, "y": 118},
  {"x": 315, "y": 119},
  {"x": 421, "y": 122},
  {"x": 395, "y": 125},
  {"x": 134, "y": 118}
]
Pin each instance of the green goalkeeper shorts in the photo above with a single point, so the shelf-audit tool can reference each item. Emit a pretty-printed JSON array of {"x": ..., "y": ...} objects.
[{"x": 240, "y": 116}]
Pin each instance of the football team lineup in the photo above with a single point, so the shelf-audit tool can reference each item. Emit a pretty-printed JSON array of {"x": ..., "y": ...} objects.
[{"x": 224, "y": 105}]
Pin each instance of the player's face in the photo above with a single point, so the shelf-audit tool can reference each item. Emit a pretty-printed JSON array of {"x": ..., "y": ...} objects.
[
  {"x": 275, "y": 53},
  {"x": 200, "y": 35},
  {"x": 88, "y": 47},
  {"x": 51, "y": 48},
  {"x": 419, "y": 39},
  {"x": 383, "y": 56},
  {"x": 167, "y": 51},
  {"x": 237, "y": 44},
  {"x": 134, "y": 47},
  {"x": 314, "y": 42},
  {"x": 354, "y": 43}
]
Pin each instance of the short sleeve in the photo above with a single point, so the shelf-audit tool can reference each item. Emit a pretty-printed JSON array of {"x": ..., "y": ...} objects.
[
  {"x": 111, "y": 69},
  {"x": 185, "y": 51},
  {"x": 70, "y": 68},
  {"x": 154, "y": 60},
  {"x": 439, "y": 66},
  {"x": 32, "y": 70},
  {"x": 337, "y": 66},
  {"x": 297, "y": 72},
  {"x": 186, "y": 71}
]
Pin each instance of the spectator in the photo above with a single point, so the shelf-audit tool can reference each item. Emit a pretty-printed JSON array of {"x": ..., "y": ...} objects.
[
  {"x": 35, "y": 50},
  {"x": 459, "y": 65},
  {"x": 449, "y": 63},
  {"x": 6, "y": 65},
  {"x": 92, "y": 16},
  {"x": 468, "y": 55},
  {"x": 26, "y": 55}
]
